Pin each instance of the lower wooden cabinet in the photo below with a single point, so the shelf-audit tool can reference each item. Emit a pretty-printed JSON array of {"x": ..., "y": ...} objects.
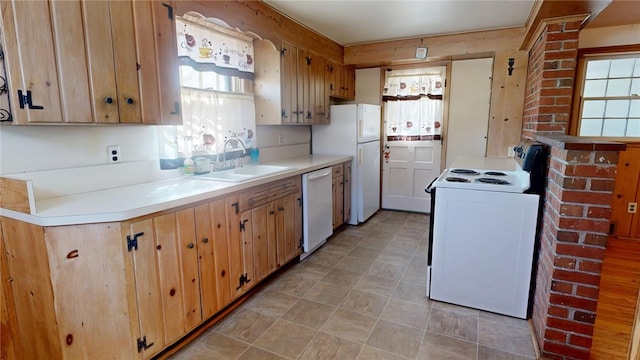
[
  {"x": 341, "y": 194},
  {"x": 69, "y": 290},
  {"x": 166, "y": 278},
  {"x": 213, "y": 256},
  {"x": 128, "y": 290}
]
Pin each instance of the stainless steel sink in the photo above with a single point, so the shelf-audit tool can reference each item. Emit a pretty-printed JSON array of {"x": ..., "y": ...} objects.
[{"x": 245, "y": 173}]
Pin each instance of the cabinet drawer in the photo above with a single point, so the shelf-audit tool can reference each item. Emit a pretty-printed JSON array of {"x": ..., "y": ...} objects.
[
  {"x": 337, "y": 170},
  {"x": 266, "y": 193}
]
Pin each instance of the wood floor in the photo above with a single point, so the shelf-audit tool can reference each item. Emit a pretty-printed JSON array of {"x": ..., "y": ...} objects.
[{"x": 618, "y": 299}]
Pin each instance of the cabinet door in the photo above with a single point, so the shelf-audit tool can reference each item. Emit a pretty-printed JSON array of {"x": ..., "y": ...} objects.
[
  {"x": 306, "y": 87},
  {"x": 289, "y": 54},
  {"x": 147, "y": 285},
  {"x": 31, "y": 61},
  {"x": 240, "y": 247},
  {"x": 321, "y": 96},
  {"x": 168, "y": 302},
  {"x": 263, "y": 253},
  {"x": 187, "y": 249},
  {"x": 88, "y": 278},
  {"x": 302, "y": 78},
  {"x": 350, "y": 83},
  {"x": 101, "y": 61},
  {"x": 211, "y": 233},
  {"x": 289, "y": 210},
  {"x": 157, "y": 56},
  {"x": 347, "y": 192},
  {"x": 338, "y": 205}
]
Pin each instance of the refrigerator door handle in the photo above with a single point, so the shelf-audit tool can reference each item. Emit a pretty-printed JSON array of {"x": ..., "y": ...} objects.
[
  {"x": 360, "y": 129},
  {"x": 359, "y": 157}
]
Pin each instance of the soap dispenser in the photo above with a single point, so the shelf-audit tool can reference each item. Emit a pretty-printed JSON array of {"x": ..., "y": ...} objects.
[{"x": 189, "y": 166}]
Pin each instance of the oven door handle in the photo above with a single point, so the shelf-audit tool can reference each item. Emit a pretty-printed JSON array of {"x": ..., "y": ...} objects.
[{"x": 428, "y": 188}]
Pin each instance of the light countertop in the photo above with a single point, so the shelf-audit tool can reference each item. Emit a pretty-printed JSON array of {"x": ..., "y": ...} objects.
[{"x": 131, "y": 201}]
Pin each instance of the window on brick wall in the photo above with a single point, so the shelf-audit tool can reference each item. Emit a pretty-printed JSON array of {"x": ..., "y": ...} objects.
[{"x": 609, "y": 96}]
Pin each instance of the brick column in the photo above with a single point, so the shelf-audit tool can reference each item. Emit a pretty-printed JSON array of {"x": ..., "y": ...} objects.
[
  {"x": 577, "y": 209},
  {"x": 576, "y": 214},
  {"x": 550, "y": 80}
]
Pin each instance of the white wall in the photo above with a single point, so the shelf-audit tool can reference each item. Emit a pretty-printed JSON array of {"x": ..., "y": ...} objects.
[
  {"x": 34, "y": 148},
  {"x": 368, "y": 86},
  {"x": 296, "y": 141}
]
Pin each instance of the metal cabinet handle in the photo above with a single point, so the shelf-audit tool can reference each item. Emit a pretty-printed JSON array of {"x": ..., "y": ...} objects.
[
  {"x": 205, "y": 240},
  {"x": 190, "y": 245},
  {"x": 129, "y": 101},
  {"x": 109, "y": 100}
]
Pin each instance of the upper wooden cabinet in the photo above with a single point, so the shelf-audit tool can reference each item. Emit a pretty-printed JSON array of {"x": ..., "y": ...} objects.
[
  {"x": 293, "y": 89},
  {"x": 342, "y": 81},
  {"x": 91, "y": 62}
]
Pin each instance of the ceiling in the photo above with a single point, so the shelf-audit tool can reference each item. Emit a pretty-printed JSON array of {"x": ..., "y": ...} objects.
[{"x": 350, "y": 22}]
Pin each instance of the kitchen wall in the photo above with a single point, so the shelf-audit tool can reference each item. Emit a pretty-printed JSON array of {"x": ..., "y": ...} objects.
[
  {"x": 33, "y": 148},
  {"x": 36, "y": 148}
]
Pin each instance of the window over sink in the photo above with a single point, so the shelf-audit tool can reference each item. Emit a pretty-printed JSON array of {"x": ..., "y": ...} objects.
[{"x": 216, "y": 85}]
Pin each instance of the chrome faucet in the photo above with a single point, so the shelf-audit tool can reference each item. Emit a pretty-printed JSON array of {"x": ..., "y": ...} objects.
[{"x": 224, "y": 150}]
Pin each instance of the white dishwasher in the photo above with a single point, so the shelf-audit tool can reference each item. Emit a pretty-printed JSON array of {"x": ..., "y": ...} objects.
[{"x": 317, "y": 209}]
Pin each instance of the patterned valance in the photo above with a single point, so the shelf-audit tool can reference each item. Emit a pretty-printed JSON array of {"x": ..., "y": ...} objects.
[
  {"x": 213, "y": 47},
  {"x": 412, "y": 87}
]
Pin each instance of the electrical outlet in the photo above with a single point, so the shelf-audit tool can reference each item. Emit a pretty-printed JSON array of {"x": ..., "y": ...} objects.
[
  {"x": 113, "y": 154},
  {"x": 280, "y": 139},
  {"x": 510, "y": 151},
  {"x": 632, "y": 207}
]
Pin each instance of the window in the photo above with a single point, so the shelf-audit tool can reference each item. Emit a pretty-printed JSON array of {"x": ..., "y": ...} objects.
[
  {"x": 216, "y": 85},
  {"x": 609, "y": 103}
]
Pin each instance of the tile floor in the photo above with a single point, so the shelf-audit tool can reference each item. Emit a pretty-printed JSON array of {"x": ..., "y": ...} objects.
[{"x": 361, "y": 296}]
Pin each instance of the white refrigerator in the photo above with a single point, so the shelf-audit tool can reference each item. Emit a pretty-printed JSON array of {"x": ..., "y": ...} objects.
[{"x": 355, "y": 130}]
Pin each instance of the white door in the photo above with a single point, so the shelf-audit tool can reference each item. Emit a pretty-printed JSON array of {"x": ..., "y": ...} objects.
[
  {"x": 409, "y": 168},
  {"x": 368, "y": 180},
  {"x": 469, "y": 101}
]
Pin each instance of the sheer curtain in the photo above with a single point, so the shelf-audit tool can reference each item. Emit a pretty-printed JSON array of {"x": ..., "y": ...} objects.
[
  {"x": 413, "y": 105},
  {"x": 213, "y": 117},
  {"x": 216, "y": 79}
]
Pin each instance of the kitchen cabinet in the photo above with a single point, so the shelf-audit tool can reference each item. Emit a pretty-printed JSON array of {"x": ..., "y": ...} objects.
[
  {"x": 341, "y": 174},
  {"x": 291, "y": 90},
  {"x": 342, "y": 80},
  {"x": 289, "y": 84},
  {"x": 142, "y": 284},
  {"x": 338, "y": 195},
  {"x": 68, "y": 290},
  {"x": 100, "y": 62},
  {"x": 272, "y": 222},
  {"x": 346, "y": 200},
  {"x": 213, "y": 250},
  {"x": 241, "y": 268},
  {"x": 166, "y": 276}
]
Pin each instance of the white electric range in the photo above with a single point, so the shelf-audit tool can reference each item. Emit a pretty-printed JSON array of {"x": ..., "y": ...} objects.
[{"x": 483, "y": 230}]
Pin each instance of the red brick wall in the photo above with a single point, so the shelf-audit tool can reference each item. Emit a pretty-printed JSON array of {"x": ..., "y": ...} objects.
[
  {"x": 575, "y": 224},
  {"x": 550, "y": 80},
  {"x": 577, "y": 201}
]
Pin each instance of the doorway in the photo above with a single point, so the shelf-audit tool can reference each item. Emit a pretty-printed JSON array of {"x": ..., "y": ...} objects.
[{"x": 413, "y": 115}]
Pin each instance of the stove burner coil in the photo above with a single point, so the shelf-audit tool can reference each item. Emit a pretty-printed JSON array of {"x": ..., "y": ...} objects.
[
  {"x": 464, "y": 172},
  {"x": 456, "y": 179},
  {"x": 493, "y": 181},
  {"x": 495, "y": 173}
]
